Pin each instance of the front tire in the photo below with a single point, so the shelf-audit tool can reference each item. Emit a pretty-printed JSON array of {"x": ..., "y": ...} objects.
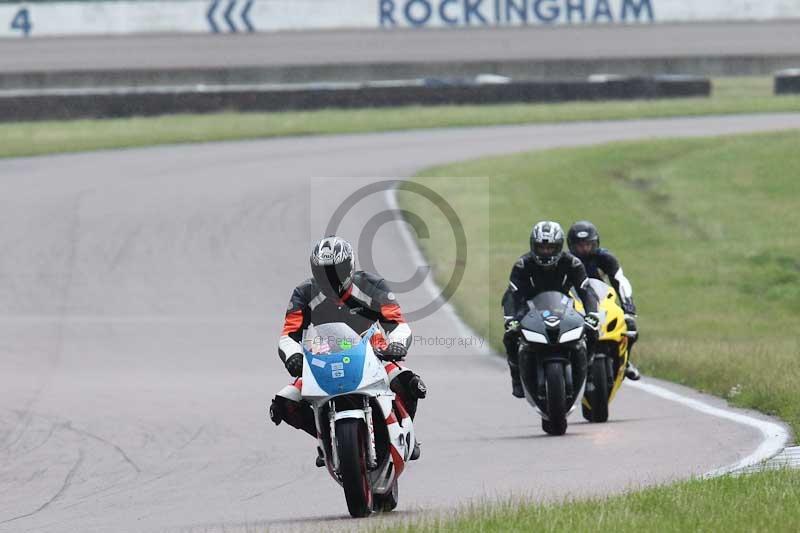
[
  {"x": 556, "y": 400},
  {"x": 598, "y": 398},
  {"x": 387, "y": 502},
  {"x": 351, "y": 442}
]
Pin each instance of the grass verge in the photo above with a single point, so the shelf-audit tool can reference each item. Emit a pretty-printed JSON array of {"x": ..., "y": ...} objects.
[
  {"x": 761, "y": 502},
  {"x": 706, "y": 229},
  {"x": 731, "y": 95}
]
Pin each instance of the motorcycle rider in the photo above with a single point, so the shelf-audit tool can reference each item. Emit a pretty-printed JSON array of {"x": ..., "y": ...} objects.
[
  {"x": 545, "y": 268},
  {"x": 337, "y": 292},
  {"x": 583, "y": 240}
]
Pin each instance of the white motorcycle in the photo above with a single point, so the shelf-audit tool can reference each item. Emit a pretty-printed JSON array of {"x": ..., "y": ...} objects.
[{"x": 364, "y": 430}]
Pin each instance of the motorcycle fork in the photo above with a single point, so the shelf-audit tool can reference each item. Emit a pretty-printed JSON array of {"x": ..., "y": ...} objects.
[
  {"x": 540, "y": 379},
  {"x": 334, "y": 444},
  {"x": 372, "y": 455},
  {"x": 570, "y": 389}
]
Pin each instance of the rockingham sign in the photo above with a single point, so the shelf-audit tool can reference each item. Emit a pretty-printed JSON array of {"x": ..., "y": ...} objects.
[
  {"x": 98, "y": 17},
  {"x": 438, "y": 13}
]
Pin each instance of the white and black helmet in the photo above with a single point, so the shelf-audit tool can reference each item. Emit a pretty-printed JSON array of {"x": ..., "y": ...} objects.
[
  {"x": 547, "y": 243},
  {"x": 333, "y": 264}
]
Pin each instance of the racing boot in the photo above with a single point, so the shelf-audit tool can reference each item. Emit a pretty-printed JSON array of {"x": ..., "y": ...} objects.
[
  {"x": 632, "y": 373},
  {"x": 417, "y": 388},
  {"x": 418, "y": 391},
  {"x": 416, "y": 453},
  {"x": 411, "y": 389},
  {"x": 516, "y": 383},
  {"x": 320, "y": 458},
  {"x": 511, "y": 342}
]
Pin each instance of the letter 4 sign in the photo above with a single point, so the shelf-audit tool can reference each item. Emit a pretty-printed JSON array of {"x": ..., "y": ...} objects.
[{"x": 22, "y": 22}]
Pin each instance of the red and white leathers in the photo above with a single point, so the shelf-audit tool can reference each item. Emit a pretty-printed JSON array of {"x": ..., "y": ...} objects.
[{"x": 367, "y": 301}]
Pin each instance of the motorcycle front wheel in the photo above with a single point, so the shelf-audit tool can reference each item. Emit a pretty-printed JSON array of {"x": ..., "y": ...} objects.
[
  {"x": 351, "y": 445},
  {"x": 598, "y": 397},
  {"x": 556, "y": 399}
]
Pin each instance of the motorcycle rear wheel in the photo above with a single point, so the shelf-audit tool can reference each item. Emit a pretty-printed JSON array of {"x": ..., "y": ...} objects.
[{"x": 351, "y": 442}]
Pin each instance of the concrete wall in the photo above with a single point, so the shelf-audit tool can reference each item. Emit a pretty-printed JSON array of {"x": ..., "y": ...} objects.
[
  {"x": 228, "y": 16},
  {"x": 565, "y": 69}
]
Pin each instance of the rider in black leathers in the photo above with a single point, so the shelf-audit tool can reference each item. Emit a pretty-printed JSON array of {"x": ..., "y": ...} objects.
[
  {"x": 545, "y": 268},
  {"x": 584, "y": 242}
]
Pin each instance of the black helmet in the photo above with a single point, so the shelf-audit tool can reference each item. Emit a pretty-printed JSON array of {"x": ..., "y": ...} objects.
[
  {"x": 547, "y": 243},
  {"x": 583, "y": 231},
  {"x": 333, "y": 265}
]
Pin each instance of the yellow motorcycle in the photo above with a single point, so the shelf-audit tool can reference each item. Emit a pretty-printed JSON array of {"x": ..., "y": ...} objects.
[{"x": 607, "y": 365}]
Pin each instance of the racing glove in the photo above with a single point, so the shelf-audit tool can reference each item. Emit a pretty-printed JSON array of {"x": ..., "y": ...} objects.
[
  {"x": 294, "y": 365},
  {"x": 592, "y": 321},
  {"x": 394, "y": 352},
  {"x": 628, "y": 308},
  {"x": 633, "y": 330}
]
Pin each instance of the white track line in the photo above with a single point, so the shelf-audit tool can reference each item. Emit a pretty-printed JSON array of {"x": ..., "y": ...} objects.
[
  {"x": 435, "y": 292},
  {"x": 776, "y": 436}
]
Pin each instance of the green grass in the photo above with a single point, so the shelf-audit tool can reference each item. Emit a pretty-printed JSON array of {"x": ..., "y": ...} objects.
[
  {"x": 732, "y": 95},
  {"x": 707, "y": 230},
  {"x": 761, "y": 502}
]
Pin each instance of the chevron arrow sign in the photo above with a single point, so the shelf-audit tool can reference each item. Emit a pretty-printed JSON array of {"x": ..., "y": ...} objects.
[{"x": 230, "y": 16}]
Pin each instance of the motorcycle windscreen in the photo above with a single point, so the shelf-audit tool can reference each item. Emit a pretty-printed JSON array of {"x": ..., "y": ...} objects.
[
  {"x": 551, "y": 303},
  {"x": 603, "y": 291},
  {"x": 336, "y": 356}
]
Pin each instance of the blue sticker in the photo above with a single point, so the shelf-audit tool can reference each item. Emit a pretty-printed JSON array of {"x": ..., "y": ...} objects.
[{"x": 545, "y": 314}]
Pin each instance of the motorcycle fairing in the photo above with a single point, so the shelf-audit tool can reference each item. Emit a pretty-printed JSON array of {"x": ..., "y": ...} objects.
[{"x": 343, "y": 372}]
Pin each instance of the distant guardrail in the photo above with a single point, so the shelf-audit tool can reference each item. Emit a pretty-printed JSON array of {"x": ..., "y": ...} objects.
[
  {"x": 103, "y": 17},
  {"x": 107, "y": 103}
]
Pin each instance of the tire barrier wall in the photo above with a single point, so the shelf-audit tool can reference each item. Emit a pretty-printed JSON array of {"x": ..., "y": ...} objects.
[{"x": 75, "y": 104}]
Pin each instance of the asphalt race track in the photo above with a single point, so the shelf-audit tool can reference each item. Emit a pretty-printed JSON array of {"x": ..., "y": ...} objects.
[
  {"x": 361, "y": 47},
  {"x": 142, "y": 294}
]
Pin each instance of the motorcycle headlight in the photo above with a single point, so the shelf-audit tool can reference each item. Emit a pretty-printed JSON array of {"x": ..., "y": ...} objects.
[
  {"x": 532, "y": 336},
  {"x": 571, "y": 335}
]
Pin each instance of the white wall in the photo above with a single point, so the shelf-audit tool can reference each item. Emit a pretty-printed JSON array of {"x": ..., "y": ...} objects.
[{"x": 116, "y": 17}]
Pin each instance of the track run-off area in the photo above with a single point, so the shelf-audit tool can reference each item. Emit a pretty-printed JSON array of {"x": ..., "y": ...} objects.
[{"x": 142, "y": 295}]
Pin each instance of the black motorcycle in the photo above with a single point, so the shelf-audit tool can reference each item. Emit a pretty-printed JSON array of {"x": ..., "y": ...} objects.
[{"x": 552, "y": 358}]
